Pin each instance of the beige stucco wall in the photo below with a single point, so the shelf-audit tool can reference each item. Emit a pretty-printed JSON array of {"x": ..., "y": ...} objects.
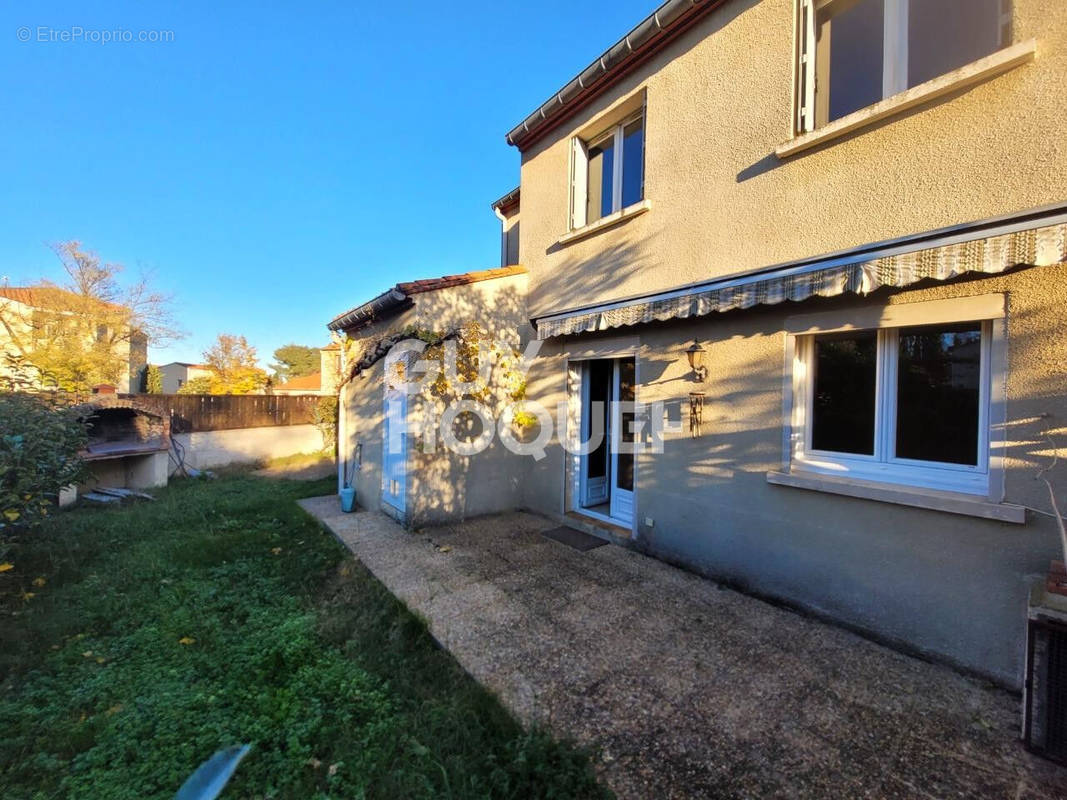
[
  {"x": 177, "y": 375},
  {"x": 947, "y": 585},
  {"x": 440, "y": 485},
  {"x": 207, "y": 449},
  {"x": 509, "y": 234},
  {"x": 719, "y": 100}
]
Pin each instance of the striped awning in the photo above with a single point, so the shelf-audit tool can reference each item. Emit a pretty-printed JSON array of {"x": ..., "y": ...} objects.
[{"x": 895, "y": 266}]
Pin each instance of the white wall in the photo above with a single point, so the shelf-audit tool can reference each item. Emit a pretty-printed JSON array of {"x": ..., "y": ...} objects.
[{"x": 207, "y": 449}]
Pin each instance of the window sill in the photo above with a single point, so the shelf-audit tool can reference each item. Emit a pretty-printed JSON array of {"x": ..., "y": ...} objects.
[
  {"x": 932, "y": 499},
  {"x": 984, "y": 68},
  {"x": 631, "y": 211}
]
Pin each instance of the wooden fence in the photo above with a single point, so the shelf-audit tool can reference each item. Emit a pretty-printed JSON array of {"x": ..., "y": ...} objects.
[{"x": 219, "y": 412}]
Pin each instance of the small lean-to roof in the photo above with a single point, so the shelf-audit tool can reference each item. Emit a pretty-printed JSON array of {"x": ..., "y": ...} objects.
[
  {"x": 399, "y": 298},
  {"x": 646, "y": 38},
  {"x": 510, "y": 200}
]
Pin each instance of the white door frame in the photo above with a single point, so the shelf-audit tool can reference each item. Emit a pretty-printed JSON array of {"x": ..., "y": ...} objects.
[
  {"x": 596, "y": 491},
  {"x": 621, "y": 507},
  {"x": 577, "y": 383},
  {"x": 394, "y": 459}
]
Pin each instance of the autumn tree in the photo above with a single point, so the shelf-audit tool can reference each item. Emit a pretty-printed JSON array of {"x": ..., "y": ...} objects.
[
  {"x": 294, "y": 360},
  {"x": 93, "y": 328},
  {"x": 153, "y": 380},
  {"x": 234, "y": 363}
]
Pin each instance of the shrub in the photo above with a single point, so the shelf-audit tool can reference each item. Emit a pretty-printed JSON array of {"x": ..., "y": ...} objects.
[
  {"x": 325, "y": 420},
  {"x": 39, "y": 446}
]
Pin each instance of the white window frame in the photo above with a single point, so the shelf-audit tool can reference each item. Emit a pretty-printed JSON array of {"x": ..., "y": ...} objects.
[
  {"x": 580, "y": 169},
  {"x": 983, "y": 479},
  {"x": 894, "y": 53}
]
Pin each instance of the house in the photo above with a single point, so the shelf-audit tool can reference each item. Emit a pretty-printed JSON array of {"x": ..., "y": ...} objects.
[
  {"x": 315, "y": 383},
  {"x": 406, "y": 481},
  {"x": 178, "y": 373},
  {"x": 803, "y": 261},
  {"x": 44, "y": 325}
]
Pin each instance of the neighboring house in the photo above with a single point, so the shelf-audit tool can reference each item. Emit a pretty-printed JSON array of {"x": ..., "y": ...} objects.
[
  {"x": 858, "y": 221},
  {"x": 324, "y": 382},
  {"x": 178, "y": 373},
  {"x": 302, "y": 384},
  {"x": 38, "y": 318}
]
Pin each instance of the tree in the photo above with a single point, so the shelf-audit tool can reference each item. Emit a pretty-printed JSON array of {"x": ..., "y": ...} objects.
[
  {"x": 91, "y": 329},
  {"x": 294, "y": 360},
  {"x": 234, "y": 362},
  {"x": 200, "y": 385},
  {"x": 40, "y": 442},
  {"x": 153, "y": 380}
]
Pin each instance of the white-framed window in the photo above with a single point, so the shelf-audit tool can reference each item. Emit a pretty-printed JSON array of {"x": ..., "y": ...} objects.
[
  {"x": 906, "y": 403},
  {"x": 608, "y": 171},
  {"x": 853, "y": 53}
]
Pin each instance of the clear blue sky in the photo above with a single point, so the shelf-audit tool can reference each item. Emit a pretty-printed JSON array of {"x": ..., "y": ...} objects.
[{"x": 275, "y": 166}]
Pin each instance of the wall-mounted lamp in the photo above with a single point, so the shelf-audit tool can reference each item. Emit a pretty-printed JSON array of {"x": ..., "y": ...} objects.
[{"x": 695, "y": 354}]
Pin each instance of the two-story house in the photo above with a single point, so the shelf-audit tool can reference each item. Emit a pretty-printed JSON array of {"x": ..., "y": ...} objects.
[
  {"x": 69, "y": 340},
  {"x": 824, "y": 241}
]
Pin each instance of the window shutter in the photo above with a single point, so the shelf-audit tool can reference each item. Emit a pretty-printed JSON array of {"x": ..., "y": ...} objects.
[
  {"x": 806, "y": 67},
  {"x": 579, "y": 179}
]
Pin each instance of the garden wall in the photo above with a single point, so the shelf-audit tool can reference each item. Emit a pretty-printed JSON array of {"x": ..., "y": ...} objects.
[{"x": 207, "y": 449}]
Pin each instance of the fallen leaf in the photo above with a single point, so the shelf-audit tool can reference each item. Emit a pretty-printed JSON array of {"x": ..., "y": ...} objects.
[
  {"x": 29, "y": 595},
  {"x": 39, "y": 582},
  {"x": 11, "y": 515},
  {"x": 186, "y": 640},
  {"x": 7, "y": 565},
  {"x": 276, "y": 550},
  {"x": 88, "y": 654}
]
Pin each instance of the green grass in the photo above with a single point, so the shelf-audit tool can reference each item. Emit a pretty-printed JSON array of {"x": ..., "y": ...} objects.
[{"x": 221, "y": 614}]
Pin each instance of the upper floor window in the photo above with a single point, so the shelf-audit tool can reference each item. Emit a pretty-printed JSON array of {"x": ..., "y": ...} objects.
[
  {"x": 854, "y": 53},
  {"x": 609, "y": 171}
]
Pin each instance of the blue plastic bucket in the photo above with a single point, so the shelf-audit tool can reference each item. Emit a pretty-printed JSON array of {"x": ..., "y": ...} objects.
[{"x": 348, "y": 499}]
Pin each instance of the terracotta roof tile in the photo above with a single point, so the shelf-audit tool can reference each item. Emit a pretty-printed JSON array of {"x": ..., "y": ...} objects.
[
  {"x": 50, "y": 297},
  {"x": 464, "y": 278},
  {"x": 312, "y": 382}
]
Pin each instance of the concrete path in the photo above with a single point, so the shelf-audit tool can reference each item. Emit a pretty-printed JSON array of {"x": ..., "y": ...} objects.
[{"x": 687, "y": 689}]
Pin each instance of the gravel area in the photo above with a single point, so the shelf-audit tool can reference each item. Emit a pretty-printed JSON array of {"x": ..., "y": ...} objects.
[{"x": 687, "y": 689}]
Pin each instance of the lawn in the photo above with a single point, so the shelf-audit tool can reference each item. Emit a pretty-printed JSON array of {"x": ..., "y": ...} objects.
[{"x": 136, "y": 641}]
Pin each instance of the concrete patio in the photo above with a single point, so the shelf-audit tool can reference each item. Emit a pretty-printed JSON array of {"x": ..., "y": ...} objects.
[{"x": 685, "y": 688}]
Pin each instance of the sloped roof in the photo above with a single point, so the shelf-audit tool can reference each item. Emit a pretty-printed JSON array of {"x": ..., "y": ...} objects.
[
  {"x": 433, "y": 284},
  {"x": 310, "y": 383},
  {"x": 49, "y": 297},
  {"x": 644, "y": 40},
  {"x": 399, "y": 297}
]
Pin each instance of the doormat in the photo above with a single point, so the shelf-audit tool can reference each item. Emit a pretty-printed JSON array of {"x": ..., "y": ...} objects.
[{"x": 579, "y": 540}]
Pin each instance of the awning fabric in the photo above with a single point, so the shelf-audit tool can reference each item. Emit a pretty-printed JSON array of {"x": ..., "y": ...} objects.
[{"x": 1034, "y": 247}]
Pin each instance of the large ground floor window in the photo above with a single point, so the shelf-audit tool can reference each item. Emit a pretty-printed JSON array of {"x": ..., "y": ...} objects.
[{"x": 906, "y": 404}]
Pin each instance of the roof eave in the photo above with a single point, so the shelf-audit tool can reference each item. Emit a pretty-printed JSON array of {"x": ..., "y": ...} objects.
[
  {"x": 386, "y": 304},
  {"x": 665, "y": 24}
]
